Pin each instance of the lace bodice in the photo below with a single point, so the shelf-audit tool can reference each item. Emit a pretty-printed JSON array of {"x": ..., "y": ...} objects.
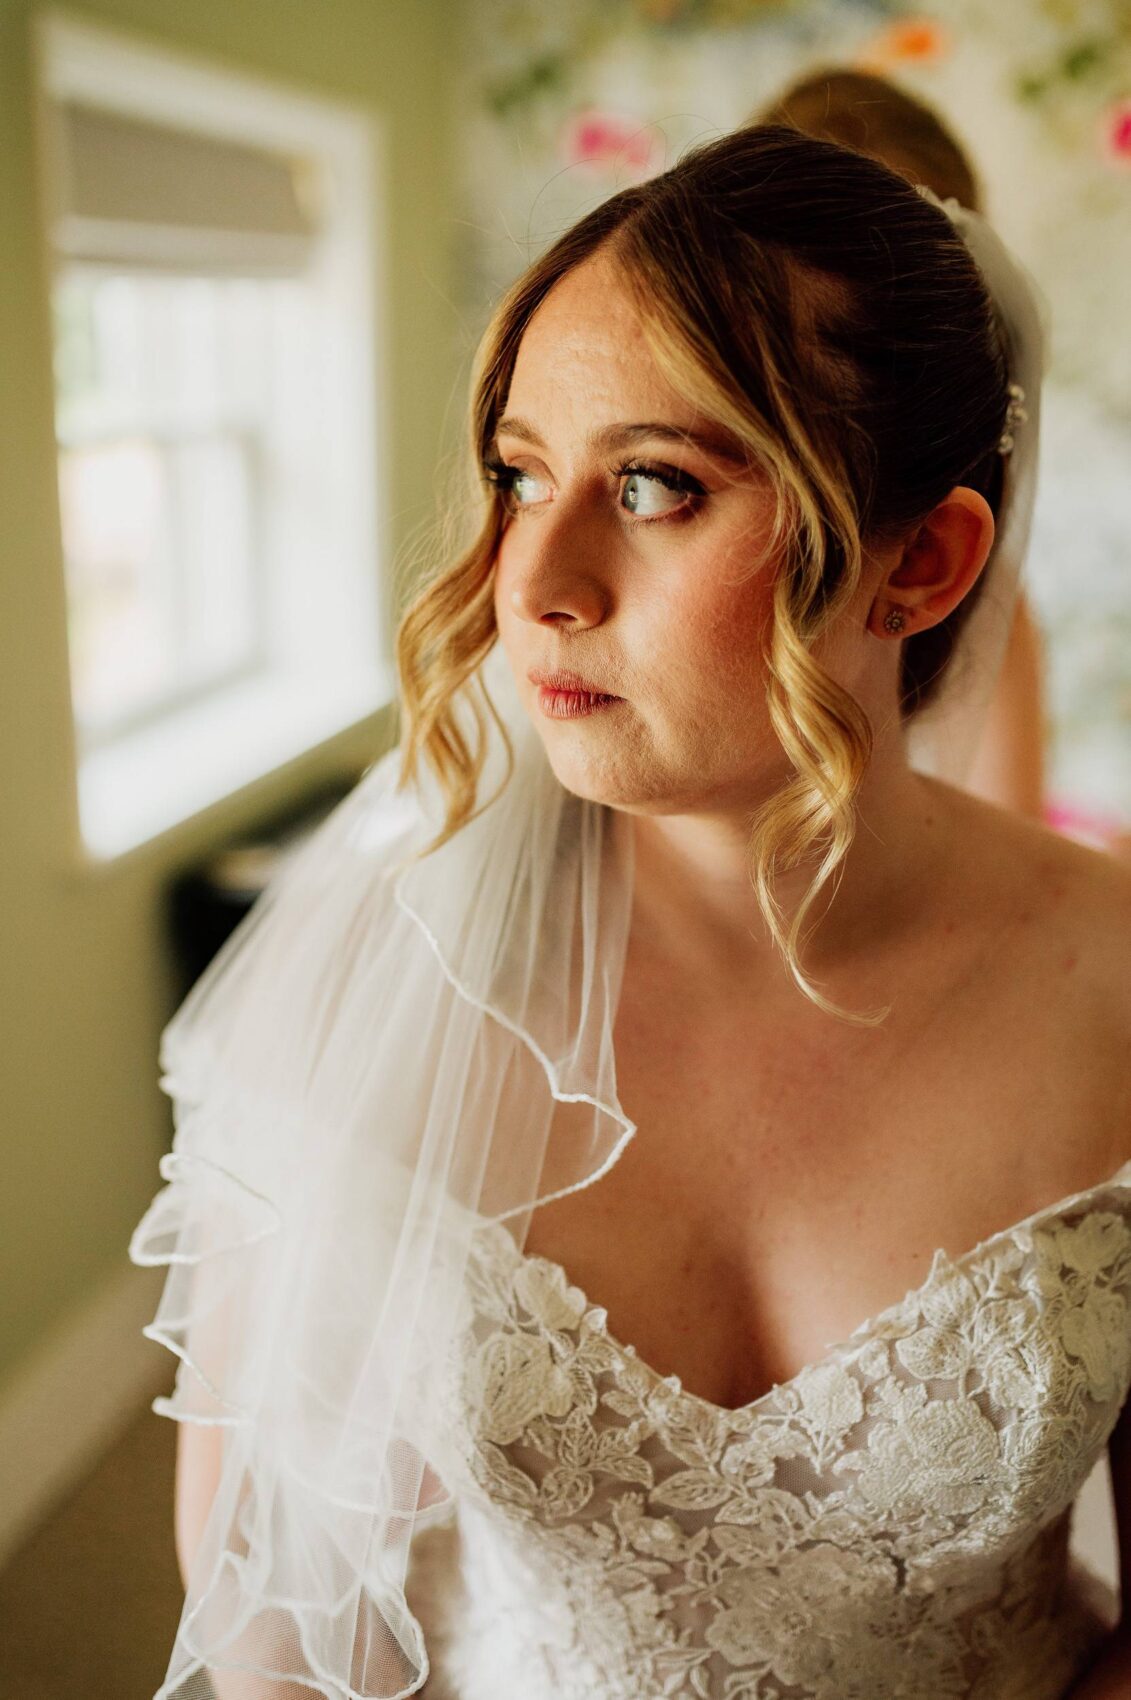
[{"x": 892, "y": 1522}]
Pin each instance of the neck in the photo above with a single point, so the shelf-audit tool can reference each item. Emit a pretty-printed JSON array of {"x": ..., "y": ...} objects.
[{"x": 693, "y": 886}]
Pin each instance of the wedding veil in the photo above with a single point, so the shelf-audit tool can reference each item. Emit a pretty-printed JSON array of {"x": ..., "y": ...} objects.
[
  {"x": 944, "y": 738},
  {"x": 389, "y": 1051}
]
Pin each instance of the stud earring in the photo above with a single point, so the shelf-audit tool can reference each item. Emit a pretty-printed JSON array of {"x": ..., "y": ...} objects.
[{"x": 894, "y": 620}]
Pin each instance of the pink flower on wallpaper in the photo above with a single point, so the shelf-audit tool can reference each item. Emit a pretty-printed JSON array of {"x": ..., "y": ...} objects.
[
  {"x": 1101, "y": 831},
  {"x": 1117, "y": 133},
  {"x": 612, "y": 143}
]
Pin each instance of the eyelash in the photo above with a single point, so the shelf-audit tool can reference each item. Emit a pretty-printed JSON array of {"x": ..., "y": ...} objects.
[{"x": 502, "y": 475}]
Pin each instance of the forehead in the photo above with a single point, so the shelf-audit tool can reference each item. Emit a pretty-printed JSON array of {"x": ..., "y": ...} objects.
[{"x": 585, "y": 352}]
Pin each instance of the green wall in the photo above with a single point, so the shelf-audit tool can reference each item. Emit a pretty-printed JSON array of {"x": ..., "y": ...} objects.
[{"x": 85, "y": 984}]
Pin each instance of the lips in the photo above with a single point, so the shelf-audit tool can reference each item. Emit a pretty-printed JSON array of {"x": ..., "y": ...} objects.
[
  {"x": 567, "y": 696},
  {"x": 560, "y": 680}
]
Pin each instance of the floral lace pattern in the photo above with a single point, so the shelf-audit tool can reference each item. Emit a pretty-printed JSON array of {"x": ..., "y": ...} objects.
[{"x": 892, "y": 1522}]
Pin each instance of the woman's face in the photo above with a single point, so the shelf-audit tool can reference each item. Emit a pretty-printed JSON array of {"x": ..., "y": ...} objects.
[{"x": 633, "y": 583}]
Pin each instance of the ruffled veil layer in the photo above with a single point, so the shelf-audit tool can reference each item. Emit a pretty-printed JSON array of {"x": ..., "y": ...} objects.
[{"x": 388, "y": 1052}]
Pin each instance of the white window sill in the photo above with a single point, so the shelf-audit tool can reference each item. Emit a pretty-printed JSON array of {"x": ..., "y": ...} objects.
[{"x": 135, "y": 789}]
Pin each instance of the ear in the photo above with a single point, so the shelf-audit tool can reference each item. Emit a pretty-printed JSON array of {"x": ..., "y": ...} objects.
[{"x": 928, "y": 574}]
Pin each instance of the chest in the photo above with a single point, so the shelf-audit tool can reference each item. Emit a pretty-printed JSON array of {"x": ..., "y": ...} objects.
[{"x": 779, "y": 1192}]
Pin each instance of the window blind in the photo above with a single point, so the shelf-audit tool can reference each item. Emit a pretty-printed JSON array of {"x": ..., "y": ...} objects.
[{"x": 135, "y": 193}]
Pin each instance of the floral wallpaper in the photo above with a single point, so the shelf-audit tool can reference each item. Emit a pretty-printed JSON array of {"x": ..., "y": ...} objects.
[{"x": 564, "y": 104}]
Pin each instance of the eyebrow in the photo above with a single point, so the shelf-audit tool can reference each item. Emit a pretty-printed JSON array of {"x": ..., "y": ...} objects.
[{"x": 612, "y": 437}]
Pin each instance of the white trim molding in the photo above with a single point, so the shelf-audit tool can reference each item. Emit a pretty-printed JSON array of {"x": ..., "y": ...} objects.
[{"x": 68, "y": 1403}]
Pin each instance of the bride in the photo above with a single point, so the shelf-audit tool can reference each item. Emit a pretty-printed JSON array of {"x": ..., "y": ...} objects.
[{"x": 506, "y": 1349}]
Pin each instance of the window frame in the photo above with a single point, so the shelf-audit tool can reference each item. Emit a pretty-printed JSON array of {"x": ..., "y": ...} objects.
[{"x": 327, "y": 693}]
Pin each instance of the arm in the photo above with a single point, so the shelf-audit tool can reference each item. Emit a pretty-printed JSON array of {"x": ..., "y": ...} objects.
[
  {"x": 1110, "y": 1677},
  {"x": 1009, "y": 769},
  {"x": 200, "y": 1451},
  {"x": 199, "y": 1456}
]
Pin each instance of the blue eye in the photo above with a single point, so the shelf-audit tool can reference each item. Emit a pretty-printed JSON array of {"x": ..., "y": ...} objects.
[
  {"x": 646, "y": 496},
  {"x": 649, "y": 492},
  {"x": 519, "y": 489},
  {"x": 527, "y": 490}
]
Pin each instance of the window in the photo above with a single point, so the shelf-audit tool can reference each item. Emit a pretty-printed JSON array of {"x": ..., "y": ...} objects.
[
  {"x": 164, "y": 424},
  {"x": 215, "y": 373}
]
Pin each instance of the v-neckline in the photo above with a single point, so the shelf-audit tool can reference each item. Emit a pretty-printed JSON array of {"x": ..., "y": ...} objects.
[{"x": 853, "y": 1343}]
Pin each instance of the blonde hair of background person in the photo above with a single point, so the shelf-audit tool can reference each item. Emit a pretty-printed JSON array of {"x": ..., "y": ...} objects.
[
  {"x": 729, "y": 535},
  {"x": 866, "y": 112}
]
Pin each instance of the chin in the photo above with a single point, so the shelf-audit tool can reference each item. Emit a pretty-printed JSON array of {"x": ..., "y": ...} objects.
[
  {"x": 621, "y": 782},
  {"x": 634, "y": 776},
  {"x": 597, "y": 777}
]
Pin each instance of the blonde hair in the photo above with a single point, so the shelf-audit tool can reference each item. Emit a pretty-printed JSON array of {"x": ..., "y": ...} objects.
[{"x": 754, "y": 268}]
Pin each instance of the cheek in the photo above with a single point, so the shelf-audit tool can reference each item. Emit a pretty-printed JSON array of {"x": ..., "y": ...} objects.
[
  {"x": 717, "y": 634},
  {"x": 725, "y": 600}
]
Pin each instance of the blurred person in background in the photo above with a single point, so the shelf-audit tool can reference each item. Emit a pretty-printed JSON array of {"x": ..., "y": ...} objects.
[{"x": 870, "y": 114}]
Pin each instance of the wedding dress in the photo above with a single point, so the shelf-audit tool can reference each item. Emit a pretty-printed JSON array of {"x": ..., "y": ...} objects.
[{"x": 890, "y": 1524}]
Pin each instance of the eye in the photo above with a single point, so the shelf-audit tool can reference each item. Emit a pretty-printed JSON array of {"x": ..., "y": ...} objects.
[
  {"x": 650, "y": 492},
  {"x": 518, "y": 487}
]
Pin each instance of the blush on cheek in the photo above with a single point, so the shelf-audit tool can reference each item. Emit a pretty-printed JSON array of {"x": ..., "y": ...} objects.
[{"x": 732, "y": 644}]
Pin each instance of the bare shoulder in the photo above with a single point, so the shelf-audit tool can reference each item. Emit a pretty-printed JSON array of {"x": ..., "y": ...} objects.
[
  {"x": 1085, "y": 902},
  {"x": 1083, "y": 921},
  {"x": 1055, "y": 924},
  {"x": 1067, "y": 897}
]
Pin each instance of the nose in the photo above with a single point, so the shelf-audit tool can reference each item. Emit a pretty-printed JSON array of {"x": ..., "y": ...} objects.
[{"x": 555, "y": 576}]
